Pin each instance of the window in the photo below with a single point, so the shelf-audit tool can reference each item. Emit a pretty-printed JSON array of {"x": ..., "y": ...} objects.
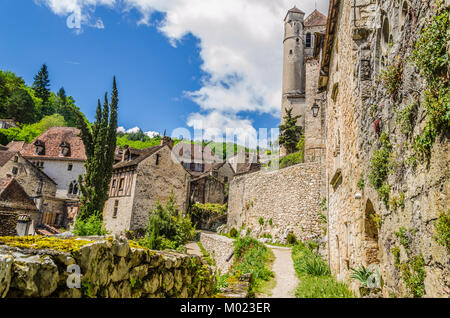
[
  {"x": 298, "y": 40},
  {"x": 40, "y": 148},
  {"x": 70, "y": 167},
  {"x": 16, "y": 159},
  {"x": 157, "y": 159},
  {"x": 65, "y": 149},
  {"x": 113, "y": 183},
  {"x": 225, "y": 180},
  {"x": 15, "y": 170},
  {"x": 121, "y": 183},
  {"x": 308, "y": 40},
  {"x": 116, "y": 209},
  {"x": 290, "y": 52},
  {"x": 73, "y": 188}
]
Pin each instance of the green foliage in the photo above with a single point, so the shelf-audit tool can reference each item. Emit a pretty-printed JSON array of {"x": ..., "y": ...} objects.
[
  {"x": 442, "y": 227},
  {"x": 376, "y": 219},
  {"x": 200, "y": 210},
  {"x": 405, "y": 117},
  {"x": 261, "y": 221},
  {"x": 290, "y": 133},
  {"x": 291, "y": 238},
  {"x": 403, "y": 235},
  {"x": 380, "y": 168},
  {"x": 211, "y": 261},
  {"x": 362, "y": 275},
  {"x": 361, "y": 184},
  {"x": 314, "y": 275},
  {"x": 431, "y": 57},
  {"x": 396, "y": 252},
  {"x": 41, "y": 85},
  {"x": 91, "y": 226},
  {"x": 391, "y": 77},
  {"x": 233, "y": 233},
  {"x": 270, "y": 222},
  {"x": 398, "y": 201},
  {"x": 252, "y": 257},
  {"x": 167, "y": 227},
  {"x": 100, "y": 144},
  {"x": 147, "y": 142},
  {"x": 413, "y": 274}
]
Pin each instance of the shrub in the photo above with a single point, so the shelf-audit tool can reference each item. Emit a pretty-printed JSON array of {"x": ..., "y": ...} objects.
[
  {"x": 261, "y": 221},
  {"x": 413, "y": 274},
  {"x": 442, "y": 227},
  {"x": 391, "y": 77},
  {"x": 167, "y": 227},
  {"x": 379, "y": 164},
  {"x": 292, "y": 159},
  {"x": 252, "y": 257},
  {"x": 291, "y": 238},
  {"x": 91, "y": 226},
  {"x": 234, "y": 232}
]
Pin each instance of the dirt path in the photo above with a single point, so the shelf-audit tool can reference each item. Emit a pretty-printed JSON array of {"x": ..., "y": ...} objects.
[{"x": 285, "y": 276}]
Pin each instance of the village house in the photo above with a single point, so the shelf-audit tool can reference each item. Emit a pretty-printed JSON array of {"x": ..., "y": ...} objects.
[
  {"x": 212, "y": 186},
  {"x": 196, "y": 158},
  {"x": 141, "y": 180},
  {"x": 7, "y": 123},
  {"x": 18, "y": 213}
]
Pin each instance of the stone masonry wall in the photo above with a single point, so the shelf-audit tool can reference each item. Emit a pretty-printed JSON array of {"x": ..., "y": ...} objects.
[
  {"x": 286, "y": 200},
  {"x": 220, "y": 248},
  {"x": 110, "y": 269},
  {"x": 359, "y": 110}
]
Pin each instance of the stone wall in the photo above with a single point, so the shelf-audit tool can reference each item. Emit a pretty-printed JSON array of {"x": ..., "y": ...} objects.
[
  {"x": 220, "y": 248},
  {"x": 110, "y": 269},
  {"x": 8, "y": 222},
  {"x": 286, "y": 200},
  {"x": 362, "y": 227}
]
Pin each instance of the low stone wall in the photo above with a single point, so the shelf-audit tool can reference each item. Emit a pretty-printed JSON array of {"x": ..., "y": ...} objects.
[
  {"x": 109, "y": 269},
  {"x": 8, "y": 222},
  {"x": 220, "y": 248},
  {"x": 285, "y": 200}
]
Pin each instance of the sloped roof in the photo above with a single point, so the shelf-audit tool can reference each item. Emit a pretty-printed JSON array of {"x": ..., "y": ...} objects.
[
  {"x": 16, "y": 145},
  {"x": 5, "y": 156},
  {"x": 13, "y": 196},
  {"x": 296, "y": 10},
  {"x": 315, "y": 19},
  {"x": 144, "y": 154},
  {"x": 52, "y": 139}
]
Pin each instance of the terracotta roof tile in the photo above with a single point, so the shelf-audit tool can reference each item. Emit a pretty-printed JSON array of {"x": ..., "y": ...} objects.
[
  {"x": 52, "y": 140},
  {"x": 143, "y": 154},
  {"x": 5, "y": 156},
  {"x": 16, "y": 145},
  {"x": 315, "y": 19}
]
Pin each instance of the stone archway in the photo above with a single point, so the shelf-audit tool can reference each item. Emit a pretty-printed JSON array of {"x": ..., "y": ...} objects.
[{"x": 371, "y": 251}]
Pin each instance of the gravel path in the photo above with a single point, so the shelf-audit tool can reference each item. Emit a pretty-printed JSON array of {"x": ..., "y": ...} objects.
[{"x": 285, "y": 276}]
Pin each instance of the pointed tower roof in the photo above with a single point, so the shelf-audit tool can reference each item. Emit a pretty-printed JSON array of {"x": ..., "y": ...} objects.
[
  {"x": 315, "y": 19},
  {"x": 294, "y": 10}
]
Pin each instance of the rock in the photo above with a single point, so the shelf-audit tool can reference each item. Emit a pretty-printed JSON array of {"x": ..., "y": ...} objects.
[
  {"x": 139, "y": 272},
  {"x": 121, "y": 247},
  {"x": 121, "y": 271},
  {"x": 67, "y": 234},
  {"x": 6, "y": 262},
  {"x": 35, "y": 276},
  {"x": 178, "y": 280},
  {"x": 152, "y": 285},
  {"x": 168, "y": 281}
]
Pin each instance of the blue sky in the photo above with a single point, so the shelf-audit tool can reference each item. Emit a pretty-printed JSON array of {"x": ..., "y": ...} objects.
[{"x": 176, "y": 61}]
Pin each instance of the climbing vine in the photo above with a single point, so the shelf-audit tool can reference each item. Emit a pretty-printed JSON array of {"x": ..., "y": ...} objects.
[
  {"x": 431, "y": 57},
  {"x": 380, "y": 167}
]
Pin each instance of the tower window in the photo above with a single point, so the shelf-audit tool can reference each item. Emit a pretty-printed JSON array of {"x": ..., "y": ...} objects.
[
  {"x": 116, "y": 209},
  {"x": 290, "y": 52},
  {"x": 70, "y": 167},
  {"x": 308, "y": 40}
]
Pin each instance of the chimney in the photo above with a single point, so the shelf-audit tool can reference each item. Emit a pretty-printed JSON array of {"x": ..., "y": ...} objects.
[
  {"x": 167, "y": 141},
  {"x": 124, "y": 152}
]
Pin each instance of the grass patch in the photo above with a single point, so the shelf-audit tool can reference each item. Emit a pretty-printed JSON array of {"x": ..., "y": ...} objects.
[
  {"x": 315, "y": 277},
  {"x": 253, "y": 257}
]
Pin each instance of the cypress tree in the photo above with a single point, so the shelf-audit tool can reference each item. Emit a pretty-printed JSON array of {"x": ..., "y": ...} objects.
[
  {"x": 290, "y": 133},
  {"x": 62, "y": 96},
  {"x": 100, "y": 144},
  {"x": 41, "y": 85}
]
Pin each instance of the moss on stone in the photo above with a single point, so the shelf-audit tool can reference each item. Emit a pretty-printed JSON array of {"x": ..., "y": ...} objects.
[{"x": 40, "y": 242}]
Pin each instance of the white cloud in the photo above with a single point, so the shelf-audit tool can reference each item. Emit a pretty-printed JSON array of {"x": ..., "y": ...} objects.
[
  {"x": 240, "y": 45},
  {"x": 136, "y": 129},
  {"x": 152, "y": 134}
]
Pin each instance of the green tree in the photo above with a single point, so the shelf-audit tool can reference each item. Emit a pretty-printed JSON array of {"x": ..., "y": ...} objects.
[
  {"x": 41, "y": 84},
  {"x": 62, "y": 96},
  {"x": 100, "y": 143},
  {"x": 290, "y": 133},
  {"x": 20, "y": 107}
]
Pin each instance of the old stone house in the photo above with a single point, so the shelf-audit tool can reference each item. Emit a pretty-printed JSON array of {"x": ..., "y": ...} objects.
[
  {"x": 60, "y": 153},
  {"x": 18, "y": 213},
  {"x": 38, "y": 186},
  {"x": 140, "y": 182},
  {"x": 7, "y": 123},
  {"x": 212, "y": 186},
  {"x": 393, "y": 229}
]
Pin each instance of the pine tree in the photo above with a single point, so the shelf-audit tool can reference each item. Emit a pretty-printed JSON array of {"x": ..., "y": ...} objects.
[
  {"x": 100, "y": 145},
  {"x": 290, "y": 133},
  {"x": 41, "y": 85},
  {"x": 62, "y": 96}
]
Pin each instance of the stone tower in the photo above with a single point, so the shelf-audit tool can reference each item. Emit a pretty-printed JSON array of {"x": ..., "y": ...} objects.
[{"x": 293, "y": 67}]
